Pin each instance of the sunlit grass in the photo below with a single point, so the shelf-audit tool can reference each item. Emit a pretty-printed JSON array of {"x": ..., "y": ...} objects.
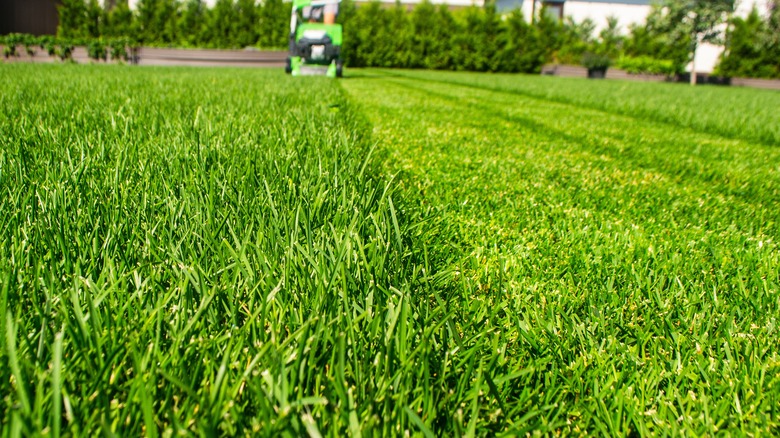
[
  {"x": 617, "y": 275},
  {"x": 238, "y": 252}
]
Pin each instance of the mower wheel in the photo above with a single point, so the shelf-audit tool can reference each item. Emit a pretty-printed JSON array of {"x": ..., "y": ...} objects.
[
  {"x": 339, "y": 69},
  {"x": 288, "y": 66}
]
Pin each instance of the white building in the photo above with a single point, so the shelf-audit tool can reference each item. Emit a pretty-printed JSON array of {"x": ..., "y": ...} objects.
[
  {"x": 208, "y": 3},
  {"x": 627, "y": 12}
]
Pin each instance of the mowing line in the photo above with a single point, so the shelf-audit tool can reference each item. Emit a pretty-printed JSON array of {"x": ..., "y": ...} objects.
[{"x": 769, "y": 138}]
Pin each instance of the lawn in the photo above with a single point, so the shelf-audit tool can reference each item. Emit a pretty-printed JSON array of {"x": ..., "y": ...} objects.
[{"x": 234, "y": 251}]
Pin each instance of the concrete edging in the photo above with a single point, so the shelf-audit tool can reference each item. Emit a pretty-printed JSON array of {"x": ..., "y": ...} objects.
[
  {"x": 576, "y": 71},
  {"x": 766, "y": 84},
  {"x": 163, "y": 56},
  {"x": 275, "y": 58}
]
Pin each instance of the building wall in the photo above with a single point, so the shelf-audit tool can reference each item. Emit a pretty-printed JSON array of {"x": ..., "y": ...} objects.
[
  {"x": 132, "y": 3},
  {"x": 627, "y": 11},
  {"x": 598, "y": 12},
  {"x": 451, "y": 3}
]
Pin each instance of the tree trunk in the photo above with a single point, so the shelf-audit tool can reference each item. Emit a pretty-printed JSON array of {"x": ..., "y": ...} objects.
[{"x": 693, "y": 59}]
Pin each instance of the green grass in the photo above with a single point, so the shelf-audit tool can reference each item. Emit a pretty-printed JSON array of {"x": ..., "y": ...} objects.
[
  {"x": 225, "y": 251},
  {"x": 737, "y": 113},
  {"x": 194, "y": 249},
  {"x": 620, "y": 274}
]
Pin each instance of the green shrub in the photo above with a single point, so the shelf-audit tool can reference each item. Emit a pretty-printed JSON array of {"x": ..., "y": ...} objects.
[
  {"x": 10, "y": 42},
  {"x": 96, "y": 49},
  {"x": 49, "y": 44},
  {"x": 752, "y": 47},
  {"x": 653, "y": 39},
  {"x": 595, "y": 61},
  {"x": 647, "y": 65},
  {"x": 65, "y": 49},
  {"x": 118, "y": 49},
  {"x": 30, "y": 42}
]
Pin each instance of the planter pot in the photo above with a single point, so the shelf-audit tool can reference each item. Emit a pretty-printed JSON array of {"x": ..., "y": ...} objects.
[{"x": 597, "y": 73}]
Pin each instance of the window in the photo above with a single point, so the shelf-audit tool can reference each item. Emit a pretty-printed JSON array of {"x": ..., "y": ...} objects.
[{"x": 553, "y": 9}]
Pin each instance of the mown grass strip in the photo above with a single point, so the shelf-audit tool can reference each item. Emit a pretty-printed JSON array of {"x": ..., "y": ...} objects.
[
  {"x": 588, "y": 246},
  {"x": 737, "y": 113}
]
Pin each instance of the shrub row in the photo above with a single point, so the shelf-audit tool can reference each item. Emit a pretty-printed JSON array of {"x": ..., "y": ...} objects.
[
  {"x": 646, "y": 65},
  {"x": 97, "y": 48},
  {"x": 475, "y": 39},
  {"x": 428, "y": 36},
  {"x": 180, "y": 23}
]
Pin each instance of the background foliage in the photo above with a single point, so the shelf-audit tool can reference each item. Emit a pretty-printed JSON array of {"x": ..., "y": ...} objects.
[
  {"x": 753, "y": 46},
  {"x": 435, "y": 37},
  {"x": 181, "y": 23}
]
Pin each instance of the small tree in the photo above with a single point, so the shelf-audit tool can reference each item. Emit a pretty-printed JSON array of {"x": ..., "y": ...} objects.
[
  {"x": 610, "y": 40},
  {"x": 551, "y": 34},
  {"x": 468, "y": 52},
  {"x": 274, "y": 24},
  {"x": 697, "y": 22},
  {"x": 119, "y": 21},
  {"x": 522, "y": 50},
  {"x": 147, "y": 28},
  {"x": 576, "y": 39},
  {"x": 192, "y": 21},
  {"x": 73, "y": 18},
  {"x": 247, "y": 26},
  {"x": 653, "y": 41},
  {"x": 221, "y": 24},
  {"x": 347, "y": 16},
  {"x": 94, "y": 19},
  {"x": 743, "y": 54},
  {"x": 771, "y": 40},
  {"x": 167, "y": 18}
]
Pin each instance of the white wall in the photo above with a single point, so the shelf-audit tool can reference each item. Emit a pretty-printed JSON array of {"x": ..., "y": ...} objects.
[
  {"x": 460, "y": 3},
  {"x": 596, "y": 11},
  {"x": 411, "y": 2},
  {"x": 745, "y": 6},
  {"x": 599, "y": 12},
  {"x": 132, "y": 3}
]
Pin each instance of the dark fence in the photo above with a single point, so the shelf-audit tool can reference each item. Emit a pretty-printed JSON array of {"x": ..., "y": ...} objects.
[
  {"x": 36, "y": 17},
  {"x": 768, "y": 84}
]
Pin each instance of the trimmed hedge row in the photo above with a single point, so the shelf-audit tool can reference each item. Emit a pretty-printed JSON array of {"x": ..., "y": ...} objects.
[
  {"x": 97, "y": 48},
  {"x": 428, "y": 36}
]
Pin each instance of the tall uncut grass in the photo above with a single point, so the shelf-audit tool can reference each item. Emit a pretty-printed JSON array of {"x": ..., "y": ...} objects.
[{"x": 203, "y": 250}]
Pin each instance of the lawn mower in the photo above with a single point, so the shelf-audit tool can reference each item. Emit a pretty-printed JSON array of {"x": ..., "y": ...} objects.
[{"x": 315, "y": 39}]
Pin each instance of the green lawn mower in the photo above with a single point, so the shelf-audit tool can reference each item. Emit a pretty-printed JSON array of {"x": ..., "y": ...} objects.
[{"x": 315, "y": 39}]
